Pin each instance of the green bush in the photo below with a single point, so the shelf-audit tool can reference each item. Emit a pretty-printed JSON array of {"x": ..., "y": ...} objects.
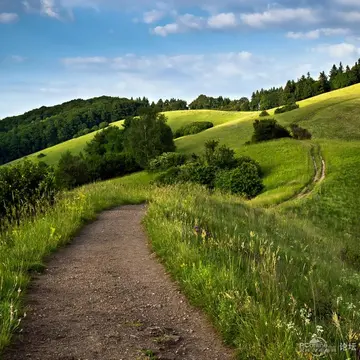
[
  {"x": 264, "y": 113},
  {"x": 198, "y": 173},
  {"x": 72, "y": 171},
  {"x": 193, "y": 128},
  {"x": 243, "y": 180},
  {"x": 268, "y": 129},
  {"x": 300, "y": 133},
  {"x": 166, "y": 161},
  {"x": 169, "y": 177},
  {"x": 286, "y": 108},
  {"x": 247, "y": 159},
  {"x": 24, "y": 186}
]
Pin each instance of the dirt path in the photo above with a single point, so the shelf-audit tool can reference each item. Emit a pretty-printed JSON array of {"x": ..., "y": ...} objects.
[
  {"x": 319, "y": 175},
  {"x": 105, "y": 297}
]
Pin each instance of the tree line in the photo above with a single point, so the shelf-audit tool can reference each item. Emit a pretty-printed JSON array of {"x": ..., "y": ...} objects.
[
  {"x": 47, "y": 126},
  {"x": 304, "y": 88}
]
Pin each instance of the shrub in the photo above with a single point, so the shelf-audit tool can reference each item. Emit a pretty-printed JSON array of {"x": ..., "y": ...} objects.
[
  {"x": 110, "y": 165},
  {"x": 286, "y": 108},
  {"x": 41, "y": 155},
  {"x": 166, "y": 161},
  {"x": 198, "y": 173},
  {"x": 103, "y": 125},
  {"x": 72, "y": 171},
  {"x": 169, "y": 177},
  {"x": 24, "y": 186},
  {"x": 246, "y": 159},
  {"x": 243, "y": 180},
  {"x": 264, "y": 113},
  {"x": 193, "y": 128},
  {"x": 299, "y": 133},
  {"x": 267, "y": 130}
]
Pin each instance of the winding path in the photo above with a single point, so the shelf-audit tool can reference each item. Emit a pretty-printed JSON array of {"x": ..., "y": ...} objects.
[{"x": 106, "y": 297}]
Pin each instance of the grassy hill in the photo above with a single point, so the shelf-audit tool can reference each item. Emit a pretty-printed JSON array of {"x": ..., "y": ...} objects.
[{"x": 270, "y": 273}]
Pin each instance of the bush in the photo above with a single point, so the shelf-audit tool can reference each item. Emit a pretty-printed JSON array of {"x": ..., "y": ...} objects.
[
  {"x": 267, "y": 130},
  {"x": 193, "y": 128},
  {"x": 243, "y": 180},
  {"x": 166, "y": 161},
  {"x": 169, "y": 177},
  {"x": 264, "y": 113},
  {"x": 299, "y": 133},
  {"x": 246, "y": 159},
  {"x": 110, "y": 165},
  {"x": 286, "y": 108},
  {"x": 198, "y": 173},
  {"x": 24, "y": 187},
  {"x": 103, "y": 125},
  {"x": 72, "y": 171},
  {"x": 41, "y": 155}
]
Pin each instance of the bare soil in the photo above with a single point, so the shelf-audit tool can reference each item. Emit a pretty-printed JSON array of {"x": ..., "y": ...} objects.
[{"x": 106, "y": 297}]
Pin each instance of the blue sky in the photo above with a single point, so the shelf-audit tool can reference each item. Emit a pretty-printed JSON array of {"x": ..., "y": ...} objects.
[{"x": 52, "y": 51}]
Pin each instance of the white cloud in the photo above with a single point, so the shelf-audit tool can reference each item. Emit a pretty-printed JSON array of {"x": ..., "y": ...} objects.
[
  {"x": 153, "y": 16},
  {"x": 341, "y": 51},
  {"x": 84, "y": 60},
  {"x": 280, "y": 16},
  {"x": 7, "y": 18},
  {"x": 166, "y": 29},
  {"x": 316, "y": 34},
  {"x": 47, "y": 7},
  {"x": 223, "y": 20}
]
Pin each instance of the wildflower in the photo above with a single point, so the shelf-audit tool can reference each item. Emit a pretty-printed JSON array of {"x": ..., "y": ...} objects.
[
  {"x": 252, "y": 234},
  {"x": 319, "y": 329},
  {"x": 336, "y": 320}
]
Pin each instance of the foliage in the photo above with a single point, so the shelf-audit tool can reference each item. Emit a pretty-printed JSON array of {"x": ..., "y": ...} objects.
[
  {"x": 41, "y": 155},
  {"x": 208, "y": 102},
  {"x": 148, "y": 137},
  {"x": 72, "y": 171},
  {"x": 299, "y": 133},
  {"x": 166, "y": 160},
  {"x": 108, "y": 140},
  {"x": 268, "y": 129},
  {"x": 286, "y": 108},
  {"x": 193, "y": 128},
  {"x": 25, "y": 186},
  {"x": 243, "y": 180},
  {"x": 47, "y": 126},
  {"x": 264, "y": 113}
]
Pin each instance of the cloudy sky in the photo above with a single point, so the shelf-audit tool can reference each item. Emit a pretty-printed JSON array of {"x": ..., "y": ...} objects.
[{"x": 56, "y": 50}]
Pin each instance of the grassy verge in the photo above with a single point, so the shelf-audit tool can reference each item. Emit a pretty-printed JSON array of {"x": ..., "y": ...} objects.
[
  {"x": 23, "y": 248},
  {"x": 268, "y": 283}
]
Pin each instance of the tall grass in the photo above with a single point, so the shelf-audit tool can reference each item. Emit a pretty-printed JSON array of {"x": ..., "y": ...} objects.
[
  {"x": 268, "y": 283},
  {"x": 24, "y": 247}
]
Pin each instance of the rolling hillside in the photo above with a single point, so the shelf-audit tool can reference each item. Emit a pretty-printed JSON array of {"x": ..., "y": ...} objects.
[{"x": 287, "y": 163}]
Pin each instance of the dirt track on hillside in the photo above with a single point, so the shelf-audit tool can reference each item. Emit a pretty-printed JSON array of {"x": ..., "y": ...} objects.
[{"x": 105, "y": 297}]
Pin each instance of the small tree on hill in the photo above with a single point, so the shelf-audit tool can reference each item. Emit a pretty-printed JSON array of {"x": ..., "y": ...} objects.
[
  {"x": 267, "y": 130},
  {"x": 148, "y": 137}
]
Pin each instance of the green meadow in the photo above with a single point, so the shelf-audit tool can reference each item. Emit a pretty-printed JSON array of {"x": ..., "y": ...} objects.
[{"x": 272, "y": 272}]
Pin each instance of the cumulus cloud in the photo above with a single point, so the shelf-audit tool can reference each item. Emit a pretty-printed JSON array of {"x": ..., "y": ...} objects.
[
  {"x": 152, "y": 16},
  {"x": 47, "y": 7},
  {"x": 223, "y": 20},
  {"x": 280, "y": 16},
  {"x": 341, "y": 51},
  {"x": 316, "y": 34},
  {"x": 7, "y": 18}
]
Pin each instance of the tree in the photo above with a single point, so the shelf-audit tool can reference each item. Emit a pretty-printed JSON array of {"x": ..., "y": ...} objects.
[
  {"x": 267, "y": 130},
  {"x": 148, "y": 137},
  {"x": 324, "y": 84}
]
